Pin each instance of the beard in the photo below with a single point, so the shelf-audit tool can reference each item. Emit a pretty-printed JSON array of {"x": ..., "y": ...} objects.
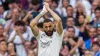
[{"x": 49, "y": 33}]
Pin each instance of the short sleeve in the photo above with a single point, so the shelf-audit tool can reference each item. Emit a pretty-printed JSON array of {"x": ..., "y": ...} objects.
[{"x": 61, "y": 36}]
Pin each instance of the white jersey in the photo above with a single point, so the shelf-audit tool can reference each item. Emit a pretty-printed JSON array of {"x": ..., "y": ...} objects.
[{"x": 49, "y": 45}]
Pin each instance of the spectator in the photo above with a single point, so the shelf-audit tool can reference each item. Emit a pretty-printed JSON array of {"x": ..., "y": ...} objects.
[
  {"x": 96, "y": 48},
  {"x": 3, "y": 35},
  {"x": 34, "y": 45},
  {"x": 11, "y": 49},
  {"x": 96, "y": 21},
  {"x": 3, "y": 48},
  {"x": 62, "y": 10},
  {"x": 28, "y": 46},
  {"x": 81, "y": 20},
  {"x": 34, "y": 5},
  {"x": 73, "y": 43},
  {"x": 79, "y": 10},
  {"x": 12, "y": 4},
  {"x": 70, "y": 11},
  {"x": 92, "y": 36},
  {"x": 90, "y": 14},
  {"x": 19, "y": 36},
  {"x": 10, "y": 23},
  {"x": 2, "y": 16},
  {"x": 71, "y": 23},
  {"x": 54, "y": 6},
  {"x": 33, "y": 11}
]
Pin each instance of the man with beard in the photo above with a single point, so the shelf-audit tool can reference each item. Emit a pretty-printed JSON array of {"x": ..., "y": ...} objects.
[{"x": 49, "y": 40}]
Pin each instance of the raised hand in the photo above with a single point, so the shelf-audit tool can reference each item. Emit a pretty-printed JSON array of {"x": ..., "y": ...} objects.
[
  {"x": 18, "y": 31},
  {"x": 46, "y": 5},
  {"x": 30, "y": 12}
]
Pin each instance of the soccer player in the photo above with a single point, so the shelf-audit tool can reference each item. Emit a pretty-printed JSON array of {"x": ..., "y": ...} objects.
[{"x": 50, "y": 39}]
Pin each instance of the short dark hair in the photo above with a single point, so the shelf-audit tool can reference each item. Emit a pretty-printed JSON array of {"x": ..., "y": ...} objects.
[
  {"x": 19, "y": 23},
  {"x": 70, "y": 6},
  {"x": 71, "y": 27},
  {"x": 96, "y": 43},
  {"x": 97, "y": 8},
  {"x": 56, "y": 1},
  {"x": 69, "y": 17},
  {"x": 40, "y": 25},
  {"x": 35, "y": 2},
  {"x": 82, "y": 15},
  {"x": 46, "y": 21}
]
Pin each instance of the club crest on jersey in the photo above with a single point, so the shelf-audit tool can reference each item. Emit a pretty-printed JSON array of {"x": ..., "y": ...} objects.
[{"x": 44, "y": 43}]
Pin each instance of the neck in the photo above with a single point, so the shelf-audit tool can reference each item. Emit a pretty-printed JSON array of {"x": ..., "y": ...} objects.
[{"x": 2, "y": 52}]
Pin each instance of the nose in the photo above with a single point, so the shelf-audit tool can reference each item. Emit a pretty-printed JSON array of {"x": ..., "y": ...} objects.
[{"x": 48, "y": 28}]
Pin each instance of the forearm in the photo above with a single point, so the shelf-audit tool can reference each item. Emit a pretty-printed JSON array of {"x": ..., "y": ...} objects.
[
  {"x": 72, "y": 42},
  {"x": 34, "y": 22},
  {"x": 36, "y": 19},
  {"x": 25, "y": 18},
  {"x": 12, "y": 38},
  {"x": 22, "y": 38},
  {"x": 72, "y": 51}
]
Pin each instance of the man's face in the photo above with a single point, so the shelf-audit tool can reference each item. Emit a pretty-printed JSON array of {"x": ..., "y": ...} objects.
[
  {"x": 81, "y": 19},
  {"x": 70, "y": 22},
  {"x": 28, "y": 45},
  {"x": 97, "y": 13},
  {"x": 94, "y": 5},
  {"x": 92, "y": 32},
  {"x": 71, "y": 32},
  {"x": 95, "y": 48},
  {"x": 48, "y": 28},
  {"x": 1, "y": 10},
  {"x": 69, "y": 11},
  {"x": 15, "y": 12},
  {"x": 20, "y": 28},
  {"x": 3, "y": 46},
  {"x": 65, "y": 3},
  {"x": 10, "y": 46}
]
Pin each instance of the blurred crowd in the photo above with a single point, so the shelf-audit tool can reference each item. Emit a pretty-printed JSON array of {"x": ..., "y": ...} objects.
[{"x": 81, "y": 24}]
